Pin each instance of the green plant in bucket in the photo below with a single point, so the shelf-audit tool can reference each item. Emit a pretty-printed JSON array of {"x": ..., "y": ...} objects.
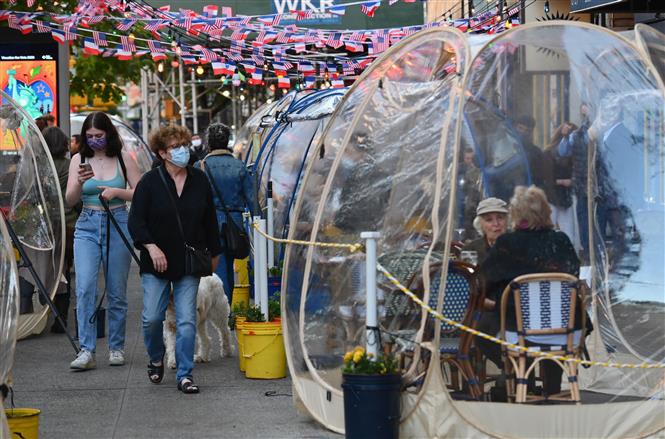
[
  {"x": 274, "y": 309},
  {"x": 254, "y": 314},
  {"x": 359, "y": 362},
  {"x": 239, "y": 310}
]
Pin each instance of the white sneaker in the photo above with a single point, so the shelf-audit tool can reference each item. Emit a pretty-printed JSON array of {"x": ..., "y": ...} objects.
[
  {"x": 116, "y": 357},
  {"x": 85, "y": 360}
]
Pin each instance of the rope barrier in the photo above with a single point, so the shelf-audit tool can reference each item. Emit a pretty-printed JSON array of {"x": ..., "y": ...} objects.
[
  {"x": 477, "y": 333},
  {"x": 353, "y": 248}
]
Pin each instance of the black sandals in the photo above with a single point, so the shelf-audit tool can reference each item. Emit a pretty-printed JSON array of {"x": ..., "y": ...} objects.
[
  {"x": 186, "y": 385},
  {"x": 156, "y": 373}
]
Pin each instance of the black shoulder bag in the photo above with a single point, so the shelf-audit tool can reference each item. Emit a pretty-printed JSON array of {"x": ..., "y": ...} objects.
[
  {"x": 197, "y": 262},
  {"x": 235, "y": 237}
]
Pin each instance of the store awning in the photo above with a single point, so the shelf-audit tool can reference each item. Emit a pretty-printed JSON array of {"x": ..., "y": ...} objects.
[{"x": 609, "y": 6}]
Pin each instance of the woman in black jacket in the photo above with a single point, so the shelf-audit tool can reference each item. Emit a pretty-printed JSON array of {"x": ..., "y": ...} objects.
[
  {"x": 172, "y": 206},
  {"x": 532, "y": 247}
]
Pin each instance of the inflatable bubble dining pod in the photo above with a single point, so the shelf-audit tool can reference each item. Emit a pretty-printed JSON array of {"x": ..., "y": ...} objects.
[
  {"x": 32, "y": 203},
  {"x": 390, "y": 160}
]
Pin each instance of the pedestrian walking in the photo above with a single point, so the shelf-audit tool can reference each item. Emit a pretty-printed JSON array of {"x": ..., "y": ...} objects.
[
  {"x": 100, "y": 168},
  {"x": 173, "y": 223},
  {"x": 58, "y": 145},
  {"x": 232, "y": 182}
]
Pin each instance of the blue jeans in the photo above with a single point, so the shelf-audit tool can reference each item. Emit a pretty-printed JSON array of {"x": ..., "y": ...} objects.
[
  {"x": 225, "y": 272},
  {"x": 155, "y": 300},
  {"x": 89, "y": 254}
]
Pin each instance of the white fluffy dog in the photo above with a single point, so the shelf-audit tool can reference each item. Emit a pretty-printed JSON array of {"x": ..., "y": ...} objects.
[{"x": 211, "y": 305}]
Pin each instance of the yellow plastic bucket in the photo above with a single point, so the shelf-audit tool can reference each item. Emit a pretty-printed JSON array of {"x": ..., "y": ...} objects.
[
  {"x": 264, "y": 353},
  {"x": 23, "y": 423},
  {"x": 240, "y": 268},
  {"x": 240, "y": 295},
  {"x": 240, "y": 321}
]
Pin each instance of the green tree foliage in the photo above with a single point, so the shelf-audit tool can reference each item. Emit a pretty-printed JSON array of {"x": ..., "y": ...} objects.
[{"x": 94, "y": 76}]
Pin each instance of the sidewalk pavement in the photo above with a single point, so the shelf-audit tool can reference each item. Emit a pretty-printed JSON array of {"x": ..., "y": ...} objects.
[{"x": 120, "y": 402}]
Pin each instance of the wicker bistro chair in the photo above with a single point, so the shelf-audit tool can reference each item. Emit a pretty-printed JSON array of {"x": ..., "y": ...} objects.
[
  {"x": 460, "y": 304},
  {"x": 545, "y": 310}
]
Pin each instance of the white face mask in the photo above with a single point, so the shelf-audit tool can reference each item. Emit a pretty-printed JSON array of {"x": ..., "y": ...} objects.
[{"x": 196, "y": 142}]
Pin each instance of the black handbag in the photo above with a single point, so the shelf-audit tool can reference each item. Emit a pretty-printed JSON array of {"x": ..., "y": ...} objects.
[
  {"x": 197, "y": 262},
  {"x": 235, "y": 238}
]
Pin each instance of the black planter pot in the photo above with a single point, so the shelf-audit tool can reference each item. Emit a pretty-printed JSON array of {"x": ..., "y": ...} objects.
[{"x": 372, "y": 406}]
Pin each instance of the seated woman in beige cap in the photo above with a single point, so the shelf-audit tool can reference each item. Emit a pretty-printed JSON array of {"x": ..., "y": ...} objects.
[{"x": 491, "y": 222}]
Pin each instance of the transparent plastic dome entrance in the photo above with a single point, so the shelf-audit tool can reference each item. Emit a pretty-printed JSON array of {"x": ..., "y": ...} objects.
[
  {"x": 30, "y": 196},
  {"x": 8, "y": 313},
  {"x": 390, "y": 163},
  {"x": 286, "y": 148}
]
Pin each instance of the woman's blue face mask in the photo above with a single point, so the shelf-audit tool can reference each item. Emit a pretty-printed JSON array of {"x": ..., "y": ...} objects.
[{"x": 179, "y": 156}]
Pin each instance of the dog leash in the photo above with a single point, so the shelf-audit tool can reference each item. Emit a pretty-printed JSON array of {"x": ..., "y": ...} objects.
[{"x": 110, "y": 219}]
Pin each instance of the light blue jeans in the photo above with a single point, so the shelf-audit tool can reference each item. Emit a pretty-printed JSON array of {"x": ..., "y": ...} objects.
[
  {"x": 89, "y": 256},
  {"x": 155, "y": 300}
]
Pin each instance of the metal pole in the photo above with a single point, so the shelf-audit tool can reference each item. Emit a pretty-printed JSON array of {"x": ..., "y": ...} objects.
[
  {"x": 195, "y": 110},
  {"x": 263, "y": 270},
  {"x": 233, "y": 109},
  {"x": 181, "y": 76},
  {"x": 372, "y": 318},
  {"x": 157, "y": 109},
  {"x": 271, "y": 226},
  {"x": 257, "y": 263},
  {"x": 145, "y": 103}
]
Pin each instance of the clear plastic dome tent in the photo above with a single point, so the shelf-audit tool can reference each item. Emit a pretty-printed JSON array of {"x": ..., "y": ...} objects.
[
  {"x": 251, "y": 135},
  {"x": 391, "y": 164},
  {"x": 287, "y": 148},
  {"x": 651, "y": 42},
  {"x": 8, "y": 312},
  {"x": 30, "y": 197}
]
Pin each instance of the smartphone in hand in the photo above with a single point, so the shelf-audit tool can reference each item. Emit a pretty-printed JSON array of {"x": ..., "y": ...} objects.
[{"x": 86, "y": 167}]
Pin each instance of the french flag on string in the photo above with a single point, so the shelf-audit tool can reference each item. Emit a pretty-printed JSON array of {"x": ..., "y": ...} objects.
[
  {"x": 310, "y": 81},
  {"x": 369, "y": 8},
  {"x": 338, "y": 83},
  {"x": 123, "y": 55},
  {"x": 283, "y": 82},
  {"x": 90, "y": 48},
  {"x": 218, "y": 68},
  {"x": 257, "y": 77},
  {"x": 158, "y": 56},
  {"x": 211, "y": 10}
]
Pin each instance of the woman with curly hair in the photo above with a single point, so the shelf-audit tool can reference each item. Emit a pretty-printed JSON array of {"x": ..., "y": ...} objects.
[{"x": 172, "y": 208}]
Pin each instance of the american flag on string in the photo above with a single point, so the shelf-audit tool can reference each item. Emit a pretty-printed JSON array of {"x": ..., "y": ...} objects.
[
  {"x": 260, "y": 37},
  {"x": 155, "y": 25},
  {"x": 259, "y": 60},
  {"x": 94, "y": 20},
  {"x": 410, "y": 30},
  {"x": 276, "y": 20},
  {"x": 353, "y": 46},
  {"x": 31, "y": 3},
  {"x": 127, "y": 44},
  {"x": 283, "y": 37},
  {"x": 357, "y": 36},
  {"x": 100, "y": 39},
  {"x": 379, "y": 45},
  {"x": 70, "y": 32},
  {"x": 155, "y": 46},
  {"x": 304, "y": 15},
  {"x": 185, "y": 23},
  {"x": 208, "y": 54},
  {"x": 13, "y": 22},
  {"x": 369, "y": 8},
  {"x": 291, "y": 28},
  {"x": 125, "y": 25},
  {"x": 335, "y": 40},
  {"x": 42, "y": 28},
  {"x": 227, "y": 11}
]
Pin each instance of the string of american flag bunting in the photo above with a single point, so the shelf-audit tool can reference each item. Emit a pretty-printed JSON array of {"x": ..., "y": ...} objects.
[{"x": 241, "y": 47}]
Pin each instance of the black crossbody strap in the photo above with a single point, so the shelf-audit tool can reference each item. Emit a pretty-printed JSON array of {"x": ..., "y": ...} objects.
[
  {"x": 175, "y": 206},
  {"x": 214, "y": 186}
]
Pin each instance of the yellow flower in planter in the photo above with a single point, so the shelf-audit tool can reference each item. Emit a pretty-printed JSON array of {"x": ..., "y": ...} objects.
[
  {"x": 348, "y": 356},
  {"x": 359, "y": 349},
  {"x": 357, "y": 356}
]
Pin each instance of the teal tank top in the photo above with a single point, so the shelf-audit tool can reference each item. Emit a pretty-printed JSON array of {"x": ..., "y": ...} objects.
[{"x": 90, "y": 192}]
